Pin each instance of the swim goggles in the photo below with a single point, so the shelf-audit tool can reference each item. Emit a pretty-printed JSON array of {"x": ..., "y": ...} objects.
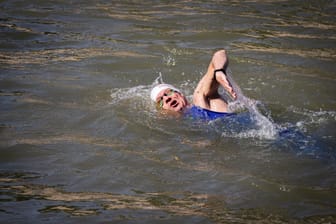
[{"x": 166, "y": 93}]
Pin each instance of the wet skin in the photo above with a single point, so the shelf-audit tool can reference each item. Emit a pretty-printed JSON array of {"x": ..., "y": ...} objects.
[{"x": 171, "y": 100}]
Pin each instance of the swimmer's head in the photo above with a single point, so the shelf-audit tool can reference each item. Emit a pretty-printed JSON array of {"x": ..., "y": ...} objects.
[{"x": 168, "y": 97}]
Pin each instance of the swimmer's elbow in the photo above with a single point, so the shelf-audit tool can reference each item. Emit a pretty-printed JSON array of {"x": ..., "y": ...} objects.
[{"x": 220, "y": 52}]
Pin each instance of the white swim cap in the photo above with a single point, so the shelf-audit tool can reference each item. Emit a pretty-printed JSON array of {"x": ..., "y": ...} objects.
[{"x": 158, "y": 88}]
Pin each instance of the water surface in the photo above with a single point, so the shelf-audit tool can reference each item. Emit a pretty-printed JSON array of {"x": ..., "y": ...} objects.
[{"x": 81, "y": 142}]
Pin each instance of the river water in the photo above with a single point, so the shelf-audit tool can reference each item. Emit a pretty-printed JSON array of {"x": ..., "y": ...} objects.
[{"x": 80, "y": 141}]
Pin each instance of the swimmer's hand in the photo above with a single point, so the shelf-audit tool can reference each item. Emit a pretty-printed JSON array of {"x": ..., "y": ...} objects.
[{"x": 224, "y": 82}]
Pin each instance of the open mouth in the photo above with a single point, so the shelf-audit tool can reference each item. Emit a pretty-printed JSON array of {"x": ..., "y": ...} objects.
[{"x": 174, "y": 103}]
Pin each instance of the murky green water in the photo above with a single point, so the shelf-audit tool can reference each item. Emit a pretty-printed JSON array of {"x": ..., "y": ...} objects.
[{"x": 81, "y": 142}]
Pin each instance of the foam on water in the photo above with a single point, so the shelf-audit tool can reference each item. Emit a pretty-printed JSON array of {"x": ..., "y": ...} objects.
[
  {"x": 121, "y": 94},
  {"x": 313, "y": 132},
  {"x": 265, "y": 127},
  {"x": 136, "y": 98}
]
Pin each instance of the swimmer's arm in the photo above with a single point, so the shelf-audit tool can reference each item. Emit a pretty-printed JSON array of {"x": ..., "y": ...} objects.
[
  {"x": 220, "y": 61},
  {"x": 208, "y": 85},
  {"x": 222, "y": 80}
]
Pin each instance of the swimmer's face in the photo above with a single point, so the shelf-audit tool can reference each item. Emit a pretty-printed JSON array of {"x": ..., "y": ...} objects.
[{"x": 169, "y": 99}]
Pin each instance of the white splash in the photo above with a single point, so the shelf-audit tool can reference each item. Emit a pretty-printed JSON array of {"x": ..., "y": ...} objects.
[{"x": 267, "y": 129}]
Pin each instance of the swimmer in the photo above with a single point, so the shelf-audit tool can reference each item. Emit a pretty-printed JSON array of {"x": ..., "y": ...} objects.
[{"x": 207, "y": 103}]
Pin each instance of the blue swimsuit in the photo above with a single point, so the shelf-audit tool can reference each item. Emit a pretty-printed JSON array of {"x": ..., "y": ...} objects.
[{"x": 204, "y": 114}]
